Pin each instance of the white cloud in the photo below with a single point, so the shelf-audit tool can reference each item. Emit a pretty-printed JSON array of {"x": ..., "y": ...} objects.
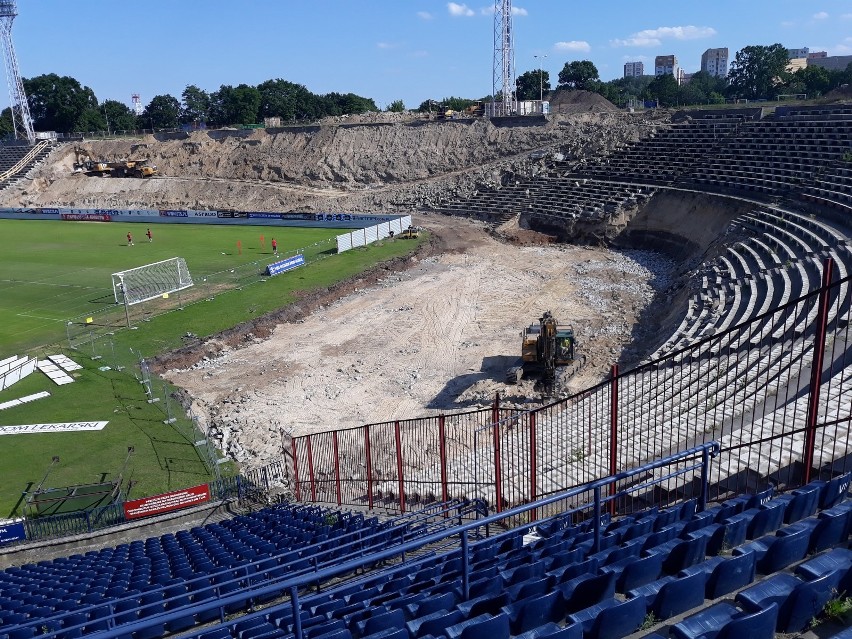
[
  {"x": 519, "y": 11},
  {"x": 419, "y": 54},
  {"x": 459, "y": 10},
  {"x": 846, "y": 16},
  {"x": 820, "y": 15},
  {"x": 424, "y": 15},
  {"x": 572, "y": 45},
  {"x": 654, "y": 37},
  {"x": 788, "y": 23},
  {"x": 842, "y": 49},
  {"x": 636, "y": 58},
  {"x": 387, "y": 45}
]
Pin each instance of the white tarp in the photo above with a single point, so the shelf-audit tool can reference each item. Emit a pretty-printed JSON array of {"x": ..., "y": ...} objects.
[
  {"x": 23, "y": 400},
  {"x": 369, "y": 234}
]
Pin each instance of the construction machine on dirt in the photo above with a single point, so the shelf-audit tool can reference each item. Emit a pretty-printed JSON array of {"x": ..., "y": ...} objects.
[{"x": 545, "y": 347}]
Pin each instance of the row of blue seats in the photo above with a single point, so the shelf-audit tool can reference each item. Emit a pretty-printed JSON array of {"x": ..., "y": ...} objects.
[
  {"x": 553, "y": 561},
  {"x": 105, "y": 596}
]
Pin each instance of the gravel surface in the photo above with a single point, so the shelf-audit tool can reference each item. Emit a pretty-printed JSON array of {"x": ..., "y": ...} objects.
[{"x": 435, "y": 338}]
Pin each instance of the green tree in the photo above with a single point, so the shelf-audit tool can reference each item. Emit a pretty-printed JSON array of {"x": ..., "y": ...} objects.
[
  {"x": 6, "y": 127},
  {"x": 532, "y": 84},
  {"x": 664, "y": 89},
  {"x": 235, "y": 105},
  {"x": 759, "y": 71},
  {"x": 195, "y": 105},
  {"x": 91, "y": 120},
  {"x": 118, "y": 116},
  {"x": 816, "y": 80},
  {"x": 162, "y": 112},
  {"x": 397, "y": 106},
  {"x": 579, "y": 74},
  {"x": 58, "y": 103},
  {"x": 346, "y": 103},
  {"x": 289, "y": 101}
]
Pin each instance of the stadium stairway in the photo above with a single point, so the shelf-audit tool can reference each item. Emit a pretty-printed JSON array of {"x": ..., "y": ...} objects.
[{"x": 757, "y": 563}]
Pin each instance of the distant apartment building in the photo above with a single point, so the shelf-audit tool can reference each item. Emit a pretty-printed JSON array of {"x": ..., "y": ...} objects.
[
  {"x": 634, "y": 69},
  {"x": 817, "y": 55},
  {"x": 664, "y": 64},
  {"x": 792, "y": 54},
  {"x": 831, "y": 62},
  {"x": 715, "y": 62}
]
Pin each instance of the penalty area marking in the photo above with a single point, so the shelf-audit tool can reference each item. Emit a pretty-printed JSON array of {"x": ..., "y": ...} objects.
[{"x": 59, "y": 427}]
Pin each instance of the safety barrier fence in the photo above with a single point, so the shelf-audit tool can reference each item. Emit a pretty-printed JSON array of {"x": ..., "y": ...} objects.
[
  {"x": 241, "y": 586},
  {"x": 250, "y": 487},
  {"x": 776, "y": 392},
  {"x": 370, "y": 234}
]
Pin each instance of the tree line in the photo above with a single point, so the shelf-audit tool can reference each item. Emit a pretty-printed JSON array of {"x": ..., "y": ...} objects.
[
  {"x": 757, "y": 72},
  {"x": 62, "y": 104}
]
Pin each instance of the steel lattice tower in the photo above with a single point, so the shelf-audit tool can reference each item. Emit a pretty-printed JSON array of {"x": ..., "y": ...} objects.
[
  {"x": 503, "y": 77},
  {"x": 21, "y": 120}
]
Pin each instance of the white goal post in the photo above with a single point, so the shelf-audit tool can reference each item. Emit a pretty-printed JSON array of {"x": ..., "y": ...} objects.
[{"x": 148, "y": 282}]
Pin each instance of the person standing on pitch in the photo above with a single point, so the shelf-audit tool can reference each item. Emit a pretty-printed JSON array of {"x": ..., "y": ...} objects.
[
  {"x": 274, "y": 247},
  {"x": 129, "y": 239},
  {"x": 150, "y": 237}
]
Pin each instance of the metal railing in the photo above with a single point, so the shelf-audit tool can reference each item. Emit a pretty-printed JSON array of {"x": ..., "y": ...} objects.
[
  {"x": 776, "y": 392},
  {"x": 247, "y": 583}
]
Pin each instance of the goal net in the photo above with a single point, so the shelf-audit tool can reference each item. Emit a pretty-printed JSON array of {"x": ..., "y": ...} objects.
[{"x": 148, "y": 282}]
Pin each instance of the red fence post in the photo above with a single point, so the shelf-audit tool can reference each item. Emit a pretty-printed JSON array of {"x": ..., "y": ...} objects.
[
  {"x": 816, "y": 370},
  {"x": 311, "y": 468},
  {"x": 369, "y": 467},
  {"x": 400, "y": 478},
  {"x": 533, "y": 466},
  {"x": 613, "y": 432},
  {"x": 337, "y": 467},
  {"x": 498, "y": 480},
  {"x": 442, "y": 443},
  {"x": 296, "y": 487}
]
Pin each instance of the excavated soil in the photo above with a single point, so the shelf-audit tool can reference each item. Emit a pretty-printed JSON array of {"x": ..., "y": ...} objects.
[{"x": 435, "y": 337}]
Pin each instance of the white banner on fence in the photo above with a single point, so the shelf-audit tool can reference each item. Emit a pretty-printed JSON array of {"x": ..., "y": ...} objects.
[
  {"x": 63, "y": 427},
  {"x": 370, "y": 234},
  {"x": 16, "y": 371}
]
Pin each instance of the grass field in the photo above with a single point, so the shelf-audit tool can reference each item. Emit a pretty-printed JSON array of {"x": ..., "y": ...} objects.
[
  {"x": 54, "y": 271},
  {"x": 51, "y": 271}
]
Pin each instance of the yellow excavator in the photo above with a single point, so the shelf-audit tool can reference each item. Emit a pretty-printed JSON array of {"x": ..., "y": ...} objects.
[{"x": 544, "y": 347}]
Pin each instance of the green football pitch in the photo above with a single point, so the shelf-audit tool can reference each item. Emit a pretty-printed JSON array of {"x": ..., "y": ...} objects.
[{"x": 53, "y": 272}]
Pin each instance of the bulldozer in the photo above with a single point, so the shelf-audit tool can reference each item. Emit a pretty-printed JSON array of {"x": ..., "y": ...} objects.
[
  {"x": 544, "y": 347},
  {"x": 99, "y": 168}
]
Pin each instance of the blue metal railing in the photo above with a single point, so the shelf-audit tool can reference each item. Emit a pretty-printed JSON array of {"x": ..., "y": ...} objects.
[{"x": 238, "y": 590}]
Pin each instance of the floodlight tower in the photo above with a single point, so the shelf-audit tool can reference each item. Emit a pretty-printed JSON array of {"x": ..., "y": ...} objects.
[
  {"x": 503, "y": 77},
  {"x": 21, "y": 120},
  {"x": 137, "y": 104}
]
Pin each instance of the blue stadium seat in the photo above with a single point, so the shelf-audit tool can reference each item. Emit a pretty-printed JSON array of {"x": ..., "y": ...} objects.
[
  {"x": 755, "y": 625},
  {"x": 798, "y": 601},
  {"x": 619, "y": 620},
  {"x": 837, "y": 559},
  {"x": 776, "y": 552},
  {"x": 731, "y": 574},
  {"x": 527, "y": 614},
  {"x": 834, "y": 491},
  {"x": 481, "y": 627},
  {"x": 677, "y": 596},
  {"x": 633, "y": 572},
  {"x": 383, "y": 621},
  {"x": 800, "y": 503},
  {"x": 584, "y": 591},
  {"x": 553, "y": 631},
  {"x": 830, "y": 528},
  {"x": 429, "y": 605},
  {"x": 434, "y": 624}
]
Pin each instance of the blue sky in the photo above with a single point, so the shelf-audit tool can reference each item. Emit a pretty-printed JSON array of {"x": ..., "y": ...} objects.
[{"x": 388, "y": 49}]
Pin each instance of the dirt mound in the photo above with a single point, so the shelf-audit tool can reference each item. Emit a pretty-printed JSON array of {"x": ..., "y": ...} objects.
[
  {"x": 386, "y": 164},
  {"x": 567, "y": 101}
]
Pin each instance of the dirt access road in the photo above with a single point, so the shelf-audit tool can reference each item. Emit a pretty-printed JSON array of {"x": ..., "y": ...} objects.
[{"x": 433, "y": 338}]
